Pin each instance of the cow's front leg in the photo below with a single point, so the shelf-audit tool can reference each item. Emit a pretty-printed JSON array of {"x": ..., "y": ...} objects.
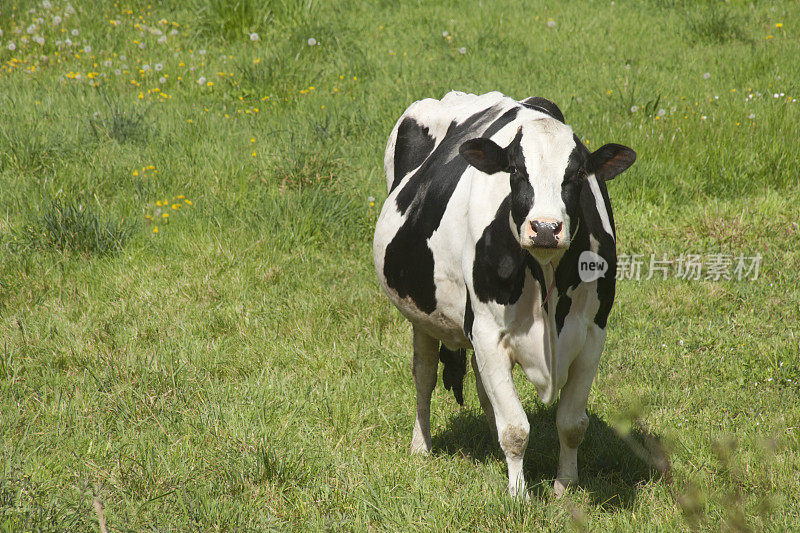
[
  {"x": 571, "y": 417},
  {"x": 495, "y": 370},
  {"x": 484, "y": 399},
  {"x": 424, "y": 366}
]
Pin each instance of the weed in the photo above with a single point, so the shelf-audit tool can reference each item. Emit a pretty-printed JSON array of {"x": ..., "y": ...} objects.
[
  {"x": 122, "y": 124},
  {"x": 68, "y": 226}
]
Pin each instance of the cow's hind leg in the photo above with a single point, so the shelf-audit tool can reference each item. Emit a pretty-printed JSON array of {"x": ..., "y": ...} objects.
[
  {"x": 424, "y": 366},
  {"x": 571, "y": 417}
]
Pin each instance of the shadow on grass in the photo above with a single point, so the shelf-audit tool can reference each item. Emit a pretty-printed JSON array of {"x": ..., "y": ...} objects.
[{"x": 612, "y": 465}]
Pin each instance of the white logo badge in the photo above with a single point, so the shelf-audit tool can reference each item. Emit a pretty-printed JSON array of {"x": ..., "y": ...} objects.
[{"x": 591, "y": 266}]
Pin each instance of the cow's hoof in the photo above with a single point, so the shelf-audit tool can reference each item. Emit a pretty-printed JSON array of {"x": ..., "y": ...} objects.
[
  {"x": 420, "y": 448},
  {"x": 562, "y": 485}
]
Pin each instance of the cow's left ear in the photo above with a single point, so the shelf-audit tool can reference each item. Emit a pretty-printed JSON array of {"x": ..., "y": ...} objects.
[
  {"x": 485, "y": 155},
  {"x": 610, "y": 160}
]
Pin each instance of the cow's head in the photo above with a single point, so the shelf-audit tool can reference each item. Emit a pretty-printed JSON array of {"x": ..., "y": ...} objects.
[{"x": 547, "y": 166}]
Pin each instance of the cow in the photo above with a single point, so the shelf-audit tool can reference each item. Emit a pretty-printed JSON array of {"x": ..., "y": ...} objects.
[{"x": 497, "y": 236}]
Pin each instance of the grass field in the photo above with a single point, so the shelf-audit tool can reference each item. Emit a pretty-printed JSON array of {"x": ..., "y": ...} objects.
[{"x": 192, "y": 336}]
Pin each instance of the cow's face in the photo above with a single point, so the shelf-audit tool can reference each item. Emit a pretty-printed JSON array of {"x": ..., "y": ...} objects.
[{"x": 547, "y": 167}]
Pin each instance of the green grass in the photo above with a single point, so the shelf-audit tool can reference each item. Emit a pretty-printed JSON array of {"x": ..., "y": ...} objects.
[{"x": 239, "y": 369}]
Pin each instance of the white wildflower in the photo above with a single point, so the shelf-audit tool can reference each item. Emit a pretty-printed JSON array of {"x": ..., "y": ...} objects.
[
  {"x": 159, "y": 67},
  {"x": 634, "y": 108},
  {"x": 662, "y": 112},
  {"x": 202, "y": 52},
  {"x": 254, "y": 36},
  {"x": 68, "y": 42},
  {"x": 551, "y": 23},
  {"x": 107, "y": 63},
  {"x": 462, "y": 50},
  {"x": 75, "y": 32},
  {"x": 201, "y": 80},
  {"x": 56, "y": 20},
  {"x": 145, "y": 67},
  {"x": 87, "y": 49},
  {"x": 12, "y": 46},
  {"x": 162, "y": 80},
  {"x": 312, "y": 41},
  {"x": 162, "y": 39},
  {"x": 751, "y": 116},
  {"x": 706, "y": 75}
]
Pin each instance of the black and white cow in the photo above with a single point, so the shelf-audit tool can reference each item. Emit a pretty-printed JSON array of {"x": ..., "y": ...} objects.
[{"x": 495, "y": 210}]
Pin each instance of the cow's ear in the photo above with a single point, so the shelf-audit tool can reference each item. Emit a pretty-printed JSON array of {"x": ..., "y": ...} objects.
[
  {"x": 485, "y": 155},
  {"x": 610, "y": 160}
]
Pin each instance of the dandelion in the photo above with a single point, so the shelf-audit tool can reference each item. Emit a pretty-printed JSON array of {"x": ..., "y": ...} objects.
[
  {"x": 162, "y": 39},
  {"x": 633, "y": 109},
  {"x": 117, "y": 72},
  {"x": 145, "y": 67},
  {"x": 703, "y": 117},
  {"x": 462, "y": 50},
  {"x": 69, "y": 9},
  {"x": 751, "y": 116},
  {"x": 56, "y": 20},
  {"x": 107, "y": 63},
  {"x": 123, "y": 57},
  {"x": 202, "y": 52},
  {"x": 162, "y": 80},
  {"x": 254, "y": 36},
  {"x": 188, "y": 202},
  {"x": 47, "y": 5},
  {"x": 706, "y": 75},
  {"x": 75, "y": 32},
  {"x": 551, "y": 23},
  {"x": 445, "y": 34},
  {"x": 155, "y": 229},
  {"x": 312, "y": 41},
  {"x": 779, "y": 25},
  {"x": 165, "y": 215},
  {"x": 12, "y": 46},
  {"x": 141, "y": 46},
  {"x": 68, "y": 42},
  {"x": 87, "y": 49},
  {"x": 173, "y": 32},
  {"x": 662, "y": 112},
  {"x": 201, "y": 80},
  {"x": 39, "y": 40},
  {"x": 31, "y": 29},
  {"x": 159, "y": 67}
]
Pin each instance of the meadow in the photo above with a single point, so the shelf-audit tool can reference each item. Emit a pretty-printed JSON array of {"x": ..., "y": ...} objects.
[{"x": 192, "y": 336}]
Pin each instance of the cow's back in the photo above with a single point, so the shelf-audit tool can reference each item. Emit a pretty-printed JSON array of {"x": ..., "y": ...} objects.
[{"x": 422, "y": 226}]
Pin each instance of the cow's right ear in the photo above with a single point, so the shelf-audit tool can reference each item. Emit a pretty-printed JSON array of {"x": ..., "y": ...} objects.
[{"x": 485, "y": 155}]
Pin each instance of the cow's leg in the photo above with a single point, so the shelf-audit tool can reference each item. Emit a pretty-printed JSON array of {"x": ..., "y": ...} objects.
[
  {"x": 495, "y": 369},
  {"x": 424, "y": 366},
  {"x": 484, "y": 399},
  {"x": 571, "y": 418}
]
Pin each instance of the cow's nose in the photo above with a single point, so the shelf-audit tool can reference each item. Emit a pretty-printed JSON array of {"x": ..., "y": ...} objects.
[{"x": 546, "y": 232}]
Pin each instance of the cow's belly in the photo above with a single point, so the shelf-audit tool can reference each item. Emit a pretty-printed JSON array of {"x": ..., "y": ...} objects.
[
  {"x": 446, "y": 321},
  {"x": 545, "y": 357}
]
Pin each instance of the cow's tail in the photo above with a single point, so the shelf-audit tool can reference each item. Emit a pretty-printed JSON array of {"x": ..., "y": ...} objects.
[{"x": 455, "y": 367}]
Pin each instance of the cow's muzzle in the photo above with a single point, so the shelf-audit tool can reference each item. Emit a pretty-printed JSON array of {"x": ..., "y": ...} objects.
[{"x": 546, "y": 233}]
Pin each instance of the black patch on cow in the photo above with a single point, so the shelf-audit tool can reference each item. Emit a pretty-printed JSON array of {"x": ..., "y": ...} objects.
[
  {"x": 562, "y": 310},
  {"x": 455, "y": 367},
  {"x": 413, "y": 144},
  {"x": 545, "y": 106},
  {"x": 585, "y": 221},
  {"x": 498, "y": 272},
  {"x": 469, "y": 317},
  {"x": 408, "y": 263}
]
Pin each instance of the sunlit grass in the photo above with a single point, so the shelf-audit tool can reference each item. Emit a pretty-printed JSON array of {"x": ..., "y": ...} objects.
[{"x": 191, "y": 332}]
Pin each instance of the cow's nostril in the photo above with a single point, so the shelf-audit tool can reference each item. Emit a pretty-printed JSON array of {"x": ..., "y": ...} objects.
[
  {"x": 557, "y": 229},
  {"x": 535, "y": 225}
]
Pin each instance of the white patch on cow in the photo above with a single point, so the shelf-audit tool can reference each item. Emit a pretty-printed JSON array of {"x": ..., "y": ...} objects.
[
  {"x": 546, "y": 145},
  {"x": 601, "y": 205}
]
